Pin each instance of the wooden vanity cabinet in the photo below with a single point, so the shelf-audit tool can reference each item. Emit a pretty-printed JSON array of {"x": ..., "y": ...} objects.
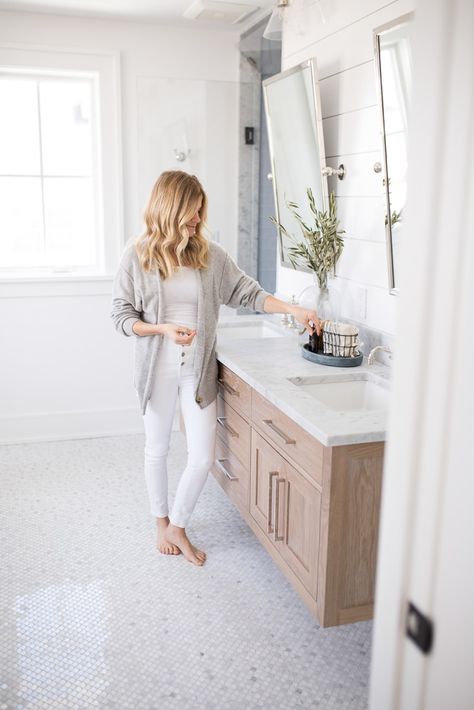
[{"x": 314, "y": 508}]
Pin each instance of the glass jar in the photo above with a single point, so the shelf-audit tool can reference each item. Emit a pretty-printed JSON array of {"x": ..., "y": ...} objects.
[{"x": 325, "y": 301}]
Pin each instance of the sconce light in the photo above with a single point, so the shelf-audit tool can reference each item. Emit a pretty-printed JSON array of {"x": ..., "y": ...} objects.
[
  {"x": 181, "y": 155},
  {"x": 274, "y": 26},
  {"x": 340, "y": 171}
]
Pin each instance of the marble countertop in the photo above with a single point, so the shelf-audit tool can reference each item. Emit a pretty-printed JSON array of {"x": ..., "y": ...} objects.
[{"x": 265, "y": 363}]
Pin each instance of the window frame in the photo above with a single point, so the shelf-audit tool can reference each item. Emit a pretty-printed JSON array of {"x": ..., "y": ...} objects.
[{"x": 106, "y": 66}]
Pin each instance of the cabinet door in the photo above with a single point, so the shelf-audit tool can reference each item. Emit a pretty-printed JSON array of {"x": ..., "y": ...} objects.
[
  {"x": 265, "y": 476},
  {"x": 299, "y": 530}
]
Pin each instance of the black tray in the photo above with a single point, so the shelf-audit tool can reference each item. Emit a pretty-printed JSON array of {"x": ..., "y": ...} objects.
[{"x": 331, "y": 360}]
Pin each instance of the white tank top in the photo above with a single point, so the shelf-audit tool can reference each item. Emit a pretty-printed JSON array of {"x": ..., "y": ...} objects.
[{"x": 181, "y": 297}]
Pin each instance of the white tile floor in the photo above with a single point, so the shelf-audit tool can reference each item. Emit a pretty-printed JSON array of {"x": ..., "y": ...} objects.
[{"x": 92, "y": 616}]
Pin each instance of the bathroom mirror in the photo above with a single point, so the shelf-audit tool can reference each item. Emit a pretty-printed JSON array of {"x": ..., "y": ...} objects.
[
  {"x": 393, "y": 70},
  {"x": 296, "y": 145}
]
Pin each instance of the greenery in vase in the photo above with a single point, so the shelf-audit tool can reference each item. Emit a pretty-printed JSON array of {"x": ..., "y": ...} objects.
[
  {"x": 322, "y": 243},
  {"x": 394, "y": 217}
]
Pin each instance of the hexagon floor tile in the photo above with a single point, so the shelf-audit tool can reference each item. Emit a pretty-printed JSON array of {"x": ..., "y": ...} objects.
[{"x": 94, "y": 617}]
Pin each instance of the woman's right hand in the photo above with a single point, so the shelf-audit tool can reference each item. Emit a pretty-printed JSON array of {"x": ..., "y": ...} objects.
[{"x": 179, "y": 334}]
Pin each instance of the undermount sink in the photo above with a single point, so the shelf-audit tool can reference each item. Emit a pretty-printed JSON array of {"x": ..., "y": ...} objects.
[
  {"x": 259, "y": 329},
  {"x": 349, "y": 393}
]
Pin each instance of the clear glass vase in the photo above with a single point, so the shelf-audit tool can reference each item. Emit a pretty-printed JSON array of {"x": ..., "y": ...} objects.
[{"x": 325, "y": 301}]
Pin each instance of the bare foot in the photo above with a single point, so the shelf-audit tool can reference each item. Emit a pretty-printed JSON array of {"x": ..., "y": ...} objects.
[
  {"x": 162, "y": 544},
  {"x": 177, "y": 536}
]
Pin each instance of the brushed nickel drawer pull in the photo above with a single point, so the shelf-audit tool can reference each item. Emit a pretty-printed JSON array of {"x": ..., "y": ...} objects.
[
  {"x": 228, "y": 388},
  {"x": 269, "y": 511},
  {"x": 225, "y": 471},
  {"x": 276, "y": 536},
  {"x": 231, "y": 431},
  {"x": 278, "y": 431}
]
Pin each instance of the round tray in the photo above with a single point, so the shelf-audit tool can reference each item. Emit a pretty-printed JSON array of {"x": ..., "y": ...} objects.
[{"x": 331, "y": 360}]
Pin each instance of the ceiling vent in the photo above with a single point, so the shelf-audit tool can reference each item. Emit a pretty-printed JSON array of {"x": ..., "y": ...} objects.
[{"x": 230, "y": 12}]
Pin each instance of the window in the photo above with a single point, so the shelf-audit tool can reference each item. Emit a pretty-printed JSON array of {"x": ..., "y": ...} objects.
[{"x": 59, "y": 147}]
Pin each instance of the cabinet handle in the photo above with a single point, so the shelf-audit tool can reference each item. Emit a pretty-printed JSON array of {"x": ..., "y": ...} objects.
[
  {"x": 269, "y": 511},
  {"x": 225, "y": 471},
  {"x": 228, "y": 388},
  {"x": 278, "y": 431},
  {"x": 276, "y": 536},
  {"x": 231, "y": 431}
]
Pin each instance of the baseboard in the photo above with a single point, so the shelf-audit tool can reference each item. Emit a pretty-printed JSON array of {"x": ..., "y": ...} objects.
[
  {"x": 74, "y": 424},
  {"x": 57, "y": 426}
]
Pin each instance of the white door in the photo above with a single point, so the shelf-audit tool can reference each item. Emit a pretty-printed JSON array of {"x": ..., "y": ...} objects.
[{"x": 426, "y": 552}]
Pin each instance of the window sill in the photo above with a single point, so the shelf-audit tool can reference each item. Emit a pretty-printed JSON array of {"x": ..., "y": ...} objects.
[
  {"x": 53, "y": 278},
  {"x": 46, "y": 285}
]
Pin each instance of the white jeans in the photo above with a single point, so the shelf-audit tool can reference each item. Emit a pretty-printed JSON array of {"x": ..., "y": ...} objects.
[{"x": 174, "y": 376}]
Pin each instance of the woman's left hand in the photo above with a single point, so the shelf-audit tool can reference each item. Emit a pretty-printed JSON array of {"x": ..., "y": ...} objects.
[{"x": 307, "y": 318}]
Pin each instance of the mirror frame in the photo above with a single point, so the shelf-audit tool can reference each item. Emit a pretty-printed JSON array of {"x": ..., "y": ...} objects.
[
  {"x": 402, "y": 20},
  {"x": 311, "y": 64}
]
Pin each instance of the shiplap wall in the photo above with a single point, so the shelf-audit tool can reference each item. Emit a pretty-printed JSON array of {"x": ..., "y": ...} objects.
[{"x": 343, "y": 48}]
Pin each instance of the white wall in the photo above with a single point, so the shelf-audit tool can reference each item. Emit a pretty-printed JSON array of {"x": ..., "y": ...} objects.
[
  {"x": 343, "y": 47},
  {"x": 64, "y": 371}
]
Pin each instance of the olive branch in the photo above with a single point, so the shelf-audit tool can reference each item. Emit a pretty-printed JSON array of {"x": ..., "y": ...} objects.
[{"x": 322, "y": 243}]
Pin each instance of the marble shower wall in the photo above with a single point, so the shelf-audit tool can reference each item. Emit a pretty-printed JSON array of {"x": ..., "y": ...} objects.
[{"x": 249, "y": 160}]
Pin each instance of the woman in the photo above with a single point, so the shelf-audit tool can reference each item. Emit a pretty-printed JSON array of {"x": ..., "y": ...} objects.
[{"x": 167, "y": 292}]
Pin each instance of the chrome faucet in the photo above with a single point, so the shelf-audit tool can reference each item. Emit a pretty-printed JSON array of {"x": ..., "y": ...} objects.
[
  {"x": 288, "y": 319},
  {"x": 373, "y": 352}
]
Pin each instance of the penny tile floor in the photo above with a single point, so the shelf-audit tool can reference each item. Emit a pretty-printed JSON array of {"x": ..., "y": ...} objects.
[{"x": 93, "y": 617}]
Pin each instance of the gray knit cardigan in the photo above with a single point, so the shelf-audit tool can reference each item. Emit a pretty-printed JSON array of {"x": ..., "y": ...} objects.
[{"x": 138, "y": 295}]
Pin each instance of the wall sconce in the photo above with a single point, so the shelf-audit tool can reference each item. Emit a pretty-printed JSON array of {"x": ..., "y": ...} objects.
[
  {"x": 340, "y": 171},
  {"x": 181, "y": 155},
  {"x": 274, "y": 26}
]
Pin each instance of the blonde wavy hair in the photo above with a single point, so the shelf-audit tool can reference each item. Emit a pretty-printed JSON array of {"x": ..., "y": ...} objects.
[{"x": 166, "y": 243}]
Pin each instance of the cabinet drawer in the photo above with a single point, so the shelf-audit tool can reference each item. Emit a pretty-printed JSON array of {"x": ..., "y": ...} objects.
[
  {"x": 231, "y": 475},
  {"x": 234, "y": 390},
  {"x": 234, "y": 431},
  {"x": 291, "y": 439}
]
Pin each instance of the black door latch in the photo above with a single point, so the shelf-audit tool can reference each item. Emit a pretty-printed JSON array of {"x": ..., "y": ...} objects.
[{"x": 419, "y": 628}]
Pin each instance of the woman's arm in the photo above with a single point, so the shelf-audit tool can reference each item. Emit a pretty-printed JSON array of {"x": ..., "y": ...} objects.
[
  {"x": 127, "y": 313},
  {"x": 239, "y": 289},
  {"x": 179, "y": 334},
  {"x": 139, "y": 327},
  {"x": 306, "y": 317}
]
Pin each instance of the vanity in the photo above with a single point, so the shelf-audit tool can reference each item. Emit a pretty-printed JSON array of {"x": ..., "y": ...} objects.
[{"x": 303, "y": 466}]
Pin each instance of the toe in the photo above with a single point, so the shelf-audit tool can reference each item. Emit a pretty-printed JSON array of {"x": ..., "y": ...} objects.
[
  {"x": 165, "y": 548},
  {"x": 200, "y": 553}
]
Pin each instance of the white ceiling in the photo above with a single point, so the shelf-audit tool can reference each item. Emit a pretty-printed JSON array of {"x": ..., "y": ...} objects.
[{"x": 169, "y": 12}]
